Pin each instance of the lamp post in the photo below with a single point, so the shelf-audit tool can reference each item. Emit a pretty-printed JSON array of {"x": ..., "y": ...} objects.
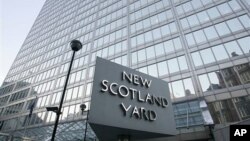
[
  {"x": 83, "y": 107},
  {"x": 75, "y": 46}
]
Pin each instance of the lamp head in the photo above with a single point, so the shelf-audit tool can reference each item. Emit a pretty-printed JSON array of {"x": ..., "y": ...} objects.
[
  {"x": 53, "y": 109},
  {"x": 75, "y": 45},
  {"x": 83, "y": 107}
]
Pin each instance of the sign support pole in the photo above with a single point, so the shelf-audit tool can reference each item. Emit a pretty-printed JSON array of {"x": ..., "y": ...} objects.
[{"x": 124, "y": 138}]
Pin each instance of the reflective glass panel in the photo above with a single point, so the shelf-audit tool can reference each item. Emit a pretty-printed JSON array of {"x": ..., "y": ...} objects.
[
  {"x": 58, "y": 97},
  {"x": 124, "y": 60},
  {"x": 224, "y": 9},
  {"x": 169, "y": 46},
  {"x": 178, "y": 89},
  {"x": 242, "y": 104},
  {"x": 187, "y": 7},
  {"x": 133, "y": 29},
  {"x": 245, "y": 44},
  {"x": 184, "y": 23},
  {"x": 83, "y": 74},
  {"x": 216, "y": 80},
  {"x": 146, "y": 23},
  {"x": 88, "y": 89},
  {"x": 245, "y": 20},
  {"x": 152, "y": 70},
  {"x": 165, "y": 30},
  {"x": 170, "y": 90},
  {"x": 133, "y": 42},
  {"x": 105, "y": 52},
  {"x": 203, "y": 17},
  {"x": 173, "y": 65},
  {"x": 48, "y": 117},
  {"x": 234, "y": 5},
  {"x": 118, "y": 47},
  {"x": 172, "y": 27},
  {"x": 222, "y": 29},
  {"x": 182, "y": 63},
  {"x": 75, "y": 93},
  {"x": 141, "y": 55},
  {"x": 205, "y": 2},
  {"x": 213, "y": 13},
  {"x": 139, "y": 26},
  {"x": 233, "y": 49},
  {"x": 190, "y": 39},
  {"x": 150, "y": 52},
  {"x": 154, "y": 20},
  {"x": 72, "y": 78},
  {"x": 179, "y": 10},
  {"x": 162, "y": 68},
  {"x": 204, "y": 82},
  {"x": 244, "y": 72},
  {"x": 71, "y": 111},
  {"x": 210, "y": 33},
  {"x": 189, "y": 88},
  {"x": 220, "y": 52},
  {"x": 159, "y": 49},
  {"x": 230, "y": 76},
  {"x": 199, "y": 36},
  {"x": 196, "y": 4},
  {"x": 148, "y": 36},
  {"x": 77, "y": 109},
  {"x": 68, "y": 95},
  {"x": 81, "y": 91},
  {"x": 111, "y": 50},
  {"x": 140, "y": 39},
  {"x": 196, "y": 59},
  {"x": 207, "y": 56},
  {"x": 91, "y": 72},
  {"x": 177, "y": 43},
  {"x": 156, "y": 33},
  {"x": 234, "y": 25},
  {"x": 65, "y": 113},
  {"x": 193, "y": 20},
  {"x": 78, "y": 75},
  {"x": 134, "y": 57}
]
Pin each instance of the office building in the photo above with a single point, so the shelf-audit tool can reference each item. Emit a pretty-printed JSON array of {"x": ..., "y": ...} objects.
[{"x": 201, "y": 47}]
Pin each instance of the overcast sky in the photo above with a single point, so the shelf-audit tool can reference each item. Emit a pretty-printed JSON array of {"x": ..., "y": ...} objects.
[{"x": 16, "y": 19}]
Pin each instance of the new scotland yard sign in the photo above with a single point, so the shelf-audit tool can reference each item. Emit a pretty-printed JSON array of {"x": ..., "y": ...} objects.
[{"x": 128, "y": 102}]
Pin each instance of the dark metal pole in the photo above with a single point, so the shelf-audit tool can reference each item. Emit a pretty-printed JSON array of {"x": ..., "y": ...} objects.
[
  {"x": 124, "y": 138},
  {"x": 86, "y": 125},
  {"x": 62, "y": 98}
]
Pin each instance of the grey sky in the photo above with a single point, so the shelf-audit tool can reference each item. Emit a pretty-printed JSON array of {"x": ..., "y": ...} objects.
[{"x": 17, "y": 17}]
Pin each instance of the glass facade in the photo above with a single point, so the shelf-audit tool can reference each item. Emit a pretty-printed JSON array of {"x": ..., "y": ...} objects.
[{"x": 201, "y": 47}]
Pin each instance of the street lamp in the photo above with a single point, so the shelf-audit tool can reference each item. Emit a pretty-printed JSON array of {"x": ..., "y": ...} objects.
[
  {"x": 83, "y": 107},
  {"x": 75, "y": 46}
]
